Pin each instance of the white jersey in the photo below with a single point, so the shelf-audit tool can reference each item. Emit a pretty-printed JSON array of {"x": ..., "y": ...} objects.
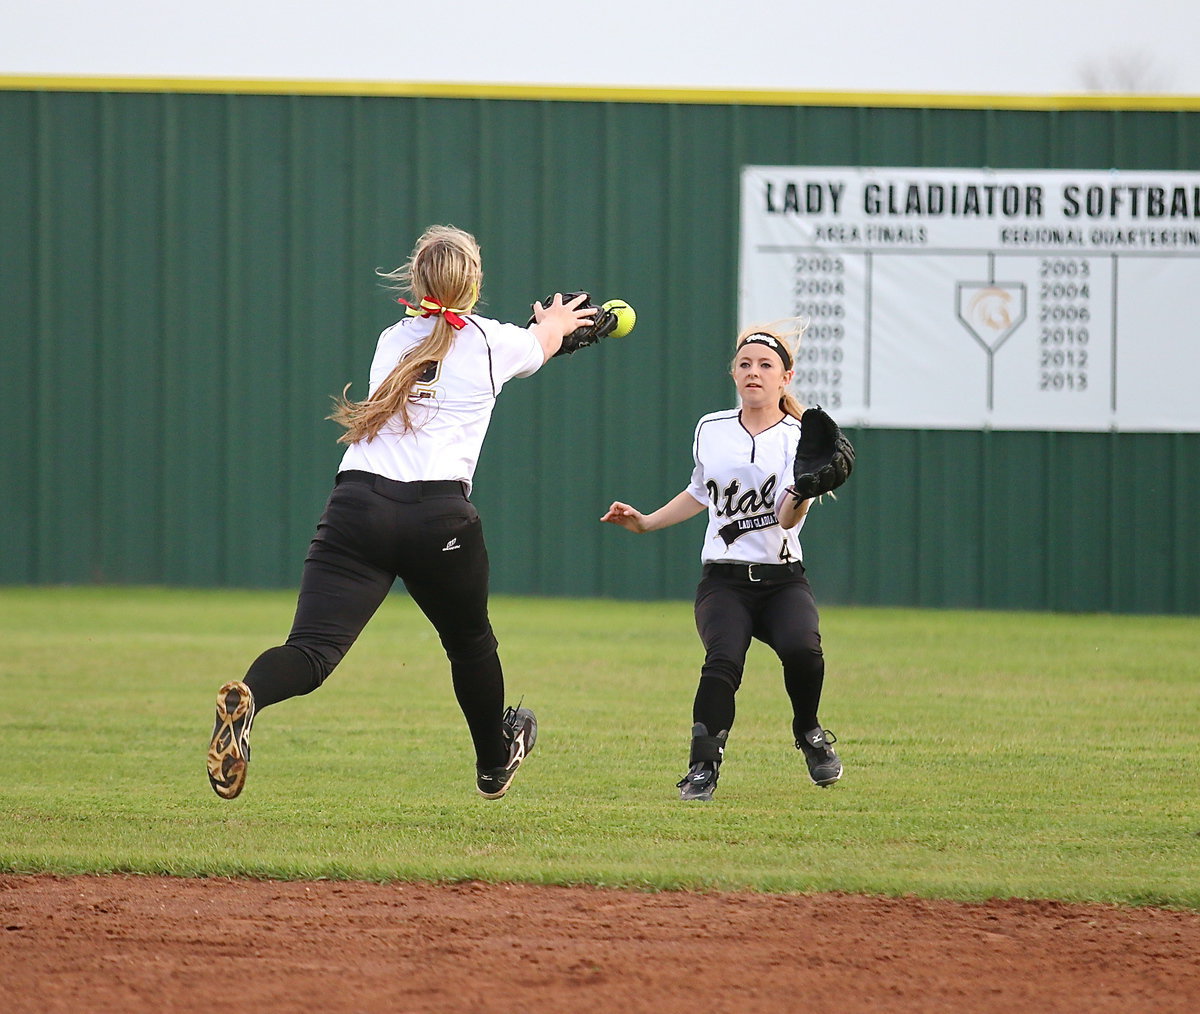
[
  {"x": 452, "y": 403},
  {"x": 742, "y": 479}
]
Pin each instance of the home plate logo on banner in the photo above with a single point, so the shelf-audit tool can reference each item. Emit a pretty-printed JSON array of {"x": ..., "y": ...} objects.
[{"x": 991, "y": 312}]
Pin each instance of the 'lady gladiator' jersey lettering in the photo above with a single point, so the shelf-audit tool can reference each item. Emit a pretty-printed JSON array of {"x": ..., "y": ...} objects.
[{"x": 742, "y": 479}]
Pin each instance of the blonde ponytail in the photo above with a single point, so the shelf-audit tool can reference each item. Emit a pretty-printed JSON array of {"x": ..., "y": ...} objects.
[
  {"x": 791, "y": 405},
  {"x": 444, "y": 271}
]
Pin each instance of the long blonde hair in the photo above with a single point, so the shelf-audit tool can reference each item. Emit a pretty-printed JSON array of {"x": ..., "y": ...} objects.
[
  {"x": 445, "y": 266},
  {"x": 788, "y": 333}
]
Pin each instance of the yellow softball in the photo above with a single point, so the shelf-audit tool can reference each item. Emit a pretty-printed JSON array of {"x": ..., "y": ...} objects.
[{"x": 626, "y": 317}]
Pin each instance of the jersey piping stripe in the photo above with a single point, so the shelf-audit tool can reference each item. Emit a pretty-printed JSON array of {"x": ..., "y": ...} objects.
[
  {"x": 754, "y": 436},
  {"x": 716, "y": 418},
  {"x": 488, "y": 345}
]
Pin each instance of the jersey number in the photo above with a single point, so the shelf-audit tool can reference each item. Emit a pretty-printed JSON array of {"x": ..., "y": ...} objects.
[{"x": 426, "y": 385}]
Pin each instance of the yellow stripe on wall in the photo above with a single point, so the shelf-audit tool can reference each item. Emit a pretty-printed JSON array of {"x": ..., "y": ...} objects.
[{"x": 600, "y": 93}]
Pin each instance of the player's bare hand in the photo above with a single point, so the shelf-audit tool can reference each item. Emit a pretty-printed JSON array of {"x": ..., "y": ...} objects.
[
  {"x": 627, "y": 517},
  {"x": 566, "y": 316}
]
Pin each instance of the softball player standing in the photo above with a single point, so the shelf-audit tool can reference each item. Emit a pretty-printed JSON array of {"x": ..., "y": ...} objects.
[
  {"x": 753, "y": 582},
  {"x": 400, "y": 508}
]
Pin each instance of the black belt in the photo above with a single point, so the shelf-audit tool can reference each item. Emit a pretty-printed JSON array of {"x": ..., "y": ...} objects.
[
  {"x": 754, "y": 572},
  {"x": 406, "y": 492}
]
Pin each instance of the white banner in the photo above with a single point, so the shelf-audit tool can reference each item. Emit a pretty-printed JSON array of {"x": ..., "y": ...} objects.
[{"x": 968, "y": 298}]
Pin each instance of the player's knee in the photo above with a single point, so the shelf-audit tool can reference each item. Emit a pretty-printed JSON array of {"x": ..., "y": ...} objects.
[
  {"x": 723, "y": 670},
  {"x": 472, "y": 649},
  {"x": 808, "y": 660}
]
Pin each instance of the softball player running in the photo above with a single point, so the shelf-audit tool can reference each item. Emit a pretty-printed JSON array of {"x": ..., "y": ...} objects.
[
  {"x": 400, "y": 508},
  {"x": 753, "y": 582}
]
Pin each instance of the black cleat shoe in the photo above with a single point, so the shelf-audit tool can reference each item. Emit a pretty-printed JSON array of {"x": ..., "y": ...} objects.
[
  {"x": 699, "y": 783},
  {"x": 229, "y": 751},
  {"x": 824, "y": 765},
  {"x": 520, "y": 733},
  {"x": 707, "y": 753}
]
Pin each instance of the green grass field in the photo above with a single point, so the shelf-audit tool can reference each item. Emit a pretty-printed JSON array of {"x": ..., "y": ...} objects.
[{"x": 987, "y": 754}]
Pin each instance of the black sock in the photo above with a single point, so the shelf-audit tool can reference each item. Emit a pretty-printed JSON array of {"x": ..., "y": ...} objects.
[
  {"x": 714, "y": 705},
  {"x": 280, "y": 673},
  {"x": 803, "y": 686},
  {"x": 479, "y": 688}
]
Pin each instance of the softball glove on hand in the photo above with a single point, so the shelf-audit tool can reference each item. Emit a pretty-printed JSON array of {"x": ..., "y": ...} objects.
[
  {"x": 602, "y": 325},
  {"x": 824, "y": 457}
]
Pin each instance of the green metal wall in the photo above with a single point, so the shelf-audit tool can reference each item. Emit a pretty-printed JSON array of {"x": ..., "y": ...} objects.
[{"x": 186, "y": 279}]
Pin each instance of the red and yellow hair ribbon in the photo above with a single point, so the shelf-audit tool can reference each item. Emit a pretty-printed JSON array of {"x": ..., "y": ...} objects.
[{"x": 432, "y": 308}]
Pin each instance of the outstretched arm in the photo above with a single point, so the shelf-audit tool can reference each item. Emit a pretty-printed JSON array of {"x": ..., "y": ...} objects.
[{"x": 682, "y": 507}]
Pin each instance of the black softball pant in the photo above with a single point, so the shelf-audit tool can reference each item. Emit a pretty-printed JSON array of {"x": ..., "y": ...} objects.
[
  {"x": 781, "y": 612},
  {"x": 374, "y": 530}
]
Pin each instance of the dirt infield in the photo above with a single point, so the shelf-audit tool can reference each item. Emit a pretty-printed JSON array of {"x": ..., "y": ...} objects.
[{"x": 163, "y": 944}]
